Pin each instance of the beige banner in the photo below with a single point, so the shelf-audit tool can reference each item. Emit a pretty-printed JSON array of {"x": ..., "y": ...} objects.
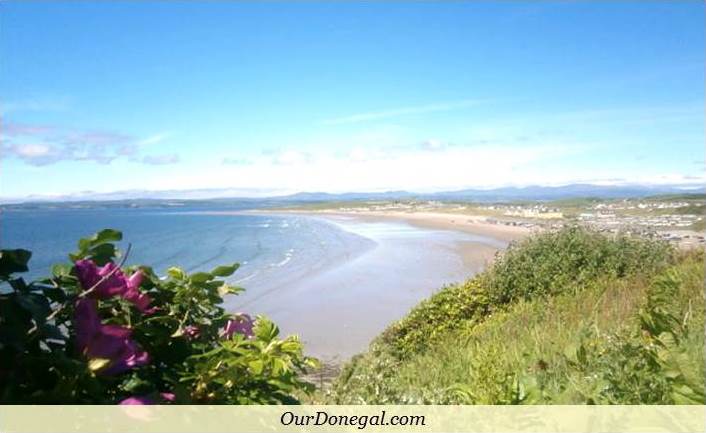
[{"x": 236, "y": 419}]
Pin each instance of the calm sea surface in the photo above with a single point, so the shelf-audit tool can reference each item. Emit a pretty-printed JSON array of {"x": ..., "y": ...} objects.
[{"x": 268, "y": 247}]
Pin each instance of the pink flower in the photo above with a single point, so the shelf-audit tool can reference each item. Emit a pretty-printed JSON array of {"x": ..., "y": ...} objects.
[
  {"x": 141, "y": 400},
  {"x": 239, "y": 324},
  {"x": 108, "y": 281},
  {"x": 136, "y": 401},
  {"x": 109, "y": 342},
  {"x": 167, "y": 396},
  {"x": 192, "y": 332},
  {"x": 133, "y": 294}
]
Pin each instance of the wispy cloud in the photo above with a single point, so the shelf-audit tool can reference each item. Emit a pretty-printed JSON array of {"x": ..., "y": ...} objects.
[
  {"x": 434, "y": 145},
  {"x": 170, "y": 158},
  {"x": 418, "y": 166},
  {"x": 235, "y": 161},
  {"x": 404, "y": 111},
  {"x": 41, "y": 145},
  {"x": 154, "y": 139}
]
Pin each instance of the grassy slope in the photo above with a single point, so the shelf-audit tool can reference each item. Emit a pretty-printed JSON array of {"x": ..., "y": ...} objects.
[{"x": 570, "y": 317}]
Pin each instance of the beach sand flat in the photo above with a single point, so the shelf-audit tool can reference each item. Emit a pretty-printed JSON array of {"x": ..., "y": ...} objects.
[
  {"x": 337, "y": 311},
  {"x": 467, "y": 223}
]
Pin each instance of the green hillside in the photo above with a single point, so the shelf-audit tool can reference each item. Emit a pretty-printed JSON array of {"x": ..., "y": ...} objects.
[{"x": 566, "y": 317}]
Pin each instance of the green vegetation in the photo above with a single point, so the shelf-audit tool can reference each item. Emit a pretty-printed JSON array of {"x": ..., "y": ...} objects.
[
  {"x": 567, "y": 317},
  {"x": 98, "y": 332}
]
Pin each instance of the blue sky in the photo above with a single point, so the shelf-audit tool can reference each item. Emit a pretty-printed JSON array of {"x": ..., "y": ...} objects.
[{"x": 272, "y": 98}]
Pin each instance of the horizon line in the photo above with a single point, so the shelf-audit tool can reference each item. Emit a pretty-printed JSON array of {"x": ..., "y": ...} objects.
[{"x": 699, "y": 187}]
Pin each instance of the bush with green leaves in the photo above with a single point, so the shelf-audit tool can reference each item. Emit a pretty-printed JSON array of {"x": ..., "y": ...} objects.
[
  {"x": 648, "y": 364},
  {"x": 446, "y": 310},
  {"x": 98, "y": 332},
  {"x": 569, "y": 259},
  {"x": 602, "y": 319},
  {"x": 542, "y": 265}
]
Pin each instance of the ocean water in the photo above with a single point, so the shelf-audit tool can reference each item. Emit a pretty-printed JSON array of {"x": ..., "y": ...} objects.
[
  {"x": 336, "y": 282},
  {"x": 269, "y": 248}
]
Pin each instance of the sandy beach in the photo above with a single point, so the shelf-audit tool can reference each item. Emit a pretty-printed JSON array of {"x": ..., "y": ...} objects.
[
  {"x": 474, "y": 224},
  {"x": 339, "y": 309}
]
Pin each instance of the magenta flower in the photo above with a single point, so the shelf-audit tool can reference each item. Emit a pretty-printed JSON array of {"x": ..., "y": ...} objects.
[
  {"x": 167, "y": 396},
  {"x": 138, "y": 400},
  {"x": 109, "y": 342},
  {"x": 239, "y": 324},
  {"x": 133, "y": 294},
  {"x": 108, "y": 281},
  {"x": 192, "y": 332}
]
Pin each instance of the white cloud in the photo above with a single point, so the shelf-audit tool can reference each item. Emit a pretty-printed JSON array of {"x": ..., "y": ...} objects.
[
  {"x": 41, "y": 145},
  {"x": 32, "y": 150},
  {"x": 154, "y": 139},
  {"x": 365, "y": 169},
  {"x": 403, "y": 111},
  {"x": 170, "y": 158},
  {"x": 292, "y": 157},
  {"x": 433, "y": 144}
]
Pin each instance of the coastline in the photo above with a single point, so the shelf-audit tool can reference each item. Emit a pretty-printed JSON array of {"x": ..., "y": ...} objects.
[
  {"x": 467, "y": 223},
  {"x": 337, "y": 311}
]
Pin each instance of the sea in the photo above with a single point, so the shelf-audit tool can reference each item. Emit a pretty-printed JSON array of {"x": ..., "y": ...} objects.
[
  {"x": 193, "y": 238},
  {"x": 335, "y": 282}
]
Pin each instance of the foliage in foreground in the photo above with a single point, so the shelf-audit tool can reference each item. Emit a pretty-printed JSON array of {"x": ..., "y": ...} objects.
[
  {"x": 99, "y": 333},
  {"x": 601, "y": 320},
  {"x": 551, "y": 263}
]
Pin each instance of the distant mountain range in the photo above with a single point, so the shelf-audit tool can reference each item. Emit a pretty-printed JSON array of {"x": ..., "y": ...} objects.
[
  {"x": 509, "y": 193},
  {"x": 481, "y": 195}
]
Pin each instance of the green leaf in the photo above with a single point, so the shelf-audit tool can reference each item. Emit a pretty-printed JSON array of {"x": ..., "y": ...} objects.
[
  {"x": 36, "y": 305},
  {"x": 135, "y": 385},
  {"x": 256, "y": 366},
  {"x": 103, "y": 253},
  {"x": 176, "y": 273},
  {"x": 225, "y": 271},
  {"x": 226, "y": 289},
  {"x": 312, "y": 362},
  {"x": 61, "y": 270},
  {"x": 265, "y": 329},
  {"x": 54, "y": 294},
  {"x": 279, "y": 366},
  {"x": 200, "y": 277},
  {"x": 291, "y": 346},
  {"x": 98, "y": 247},
  {"x": 107, "y": 235},
  {"x": 12, "y": 261}
]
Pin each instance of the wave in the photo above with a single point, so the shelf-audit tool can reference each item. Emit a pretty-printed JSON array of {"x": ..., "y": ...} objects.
[
  {"x": 287, "y": 257},
  {"x": 249, "y": 277}
]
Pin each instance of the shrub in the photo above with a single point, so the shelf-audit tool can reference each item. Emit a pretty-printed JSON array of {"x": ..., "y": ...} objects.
[
  {"x": 96, "y": 332},
  {"x": 632, "y": 340},
  {"x": 444, "y": 311},
  {"x": 568, "y": 259},
  {"x": 545, "y": 264},
  {"x": 649, "y": 364}
]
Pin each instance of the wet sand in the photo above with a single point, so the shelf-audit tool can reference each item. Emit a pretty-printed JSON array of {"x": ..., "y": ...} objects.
[{"x": 337, "y": 311}]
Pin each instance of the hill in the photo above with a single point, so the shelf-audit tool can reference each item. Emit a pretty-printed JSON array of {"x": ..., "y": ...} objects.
[{"x": 568, "y": 317}]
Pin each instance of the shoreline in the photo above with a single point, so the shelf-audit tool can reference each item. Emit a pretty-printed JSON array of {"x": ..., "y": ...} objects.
[
  {"x": 467, "y": 223},
  {"x": 339, "y": 310},
  {"x": 472, "y": 252}
]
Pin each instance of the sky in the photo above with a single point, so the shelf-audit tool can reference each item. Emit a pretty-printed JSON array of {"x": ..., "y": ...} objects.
[{"x": 271, "y": 98}]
